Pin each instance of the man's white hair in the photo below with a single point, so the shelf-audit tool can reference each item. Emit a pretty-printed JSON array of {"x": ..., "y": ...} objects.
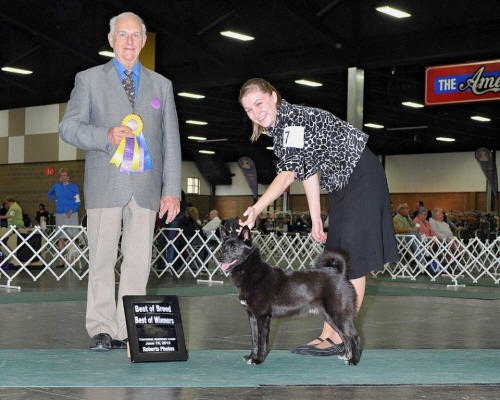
[{"x": 112, "y": 21}]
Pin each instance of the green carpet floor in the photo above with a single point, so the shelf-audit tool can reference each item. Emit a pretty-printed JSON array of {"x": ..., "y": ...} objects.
[{"x": 218, "y": 368}]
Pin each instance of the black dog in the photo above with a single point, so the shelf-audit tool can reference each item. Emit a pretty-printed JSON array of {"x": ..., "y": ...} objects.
[{"x": 267, "y": 292}]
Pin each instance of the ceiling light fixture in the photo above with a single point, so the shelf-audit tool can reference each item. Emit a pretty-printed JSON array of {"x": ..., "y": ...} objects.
[
  {"x": 206, "y": 151},
  {"x": 14, "y": 70},
  {"x": 393, "y": 12},
  {"x": 191, "y": 95},
  {"x": 480, "y": 118},
  {"x": 197, "y": 138},
  {"x": 445, "y": 139},
  {"x": 195, "y": 122},
  {"x": 412, "y": 104},
  {"x": 307, "y": 82},
  {"x": 107, "y": 53},
  {"x": 237, "y": 36},
  {"x": 270, "y": 148},
  {"x": 373, "y": 125}
]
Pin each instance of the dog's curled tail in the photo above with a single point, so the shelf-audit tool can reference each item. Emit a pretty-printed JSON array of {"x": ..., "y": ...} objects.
[{"x": 337, "y": 259}]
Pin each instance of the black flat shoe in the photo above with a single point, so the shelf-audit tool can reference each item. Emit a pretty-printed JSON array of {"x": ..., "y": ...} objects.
[
  {"x": 119, "y": 344},
  {"x": 299, "y": 349},
  {"x": 333, "y": 350},
  {"x": 100, "y": 342}
]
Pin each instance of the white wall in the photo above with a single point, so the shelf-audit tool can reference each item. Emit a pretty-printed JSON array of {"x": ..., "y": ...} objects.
[
  {"x": 443, "y": 172},
  {"x": 417, "y": 173}
]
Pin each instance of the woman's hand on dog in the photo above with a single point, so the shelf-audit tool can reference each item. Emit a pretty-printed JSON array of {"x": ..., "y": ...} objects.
[{"x": 251, "y": 215}]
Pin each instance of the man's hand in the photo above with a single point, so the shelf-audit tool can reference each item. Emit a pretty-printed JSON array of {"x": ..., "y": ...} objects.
[
  {"x": 170, "y": 205},
  {"x": 117, "y": 133}
]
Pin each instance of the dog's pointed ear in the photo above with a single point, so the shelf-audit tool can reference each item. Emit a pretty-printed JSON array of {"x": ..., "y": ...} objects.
[
  {"x": 245, "y": 234},
  {"x": 224, "y": 233}
]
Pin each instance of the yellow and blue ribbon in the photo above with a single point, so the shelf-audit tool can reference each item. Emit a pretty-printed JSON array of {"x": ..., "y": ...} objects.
[{"x": 132, "y": 154}]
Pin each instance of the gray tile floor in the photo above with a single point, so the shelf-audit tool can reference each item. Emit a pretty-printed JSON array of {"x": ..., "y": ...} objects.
[{"x": 219, "y": 322}]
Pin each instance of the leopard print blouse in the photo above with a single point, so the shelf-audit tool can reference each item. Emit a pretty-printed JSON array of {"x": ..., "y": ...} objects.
[{"x": 309, "y": 140}]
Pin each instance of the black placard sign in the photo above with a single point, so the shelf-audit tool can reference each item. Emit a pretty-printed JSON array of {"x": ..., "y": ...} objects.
[{"x": 154, "y": 328}]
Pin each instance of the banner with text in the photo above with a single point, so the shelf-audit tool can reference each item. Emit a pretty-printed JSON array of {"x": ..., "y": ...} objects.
[
  {"x": 459, "y": 83},
  {"x": 247, "y": 166}
]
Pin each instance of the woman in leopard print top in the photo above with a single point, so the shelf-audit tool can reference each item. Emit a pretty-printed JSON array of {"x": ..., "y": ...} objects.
[{"x": 321, "y": 150}]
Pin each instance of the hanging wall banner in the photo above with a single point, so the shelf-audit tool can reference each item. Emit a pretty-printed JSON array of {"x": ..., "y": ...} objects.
[
  {"x": 486, "y": 160},
  {"x": 247, "y": 166},
  {"x": 459, "y": 83}
]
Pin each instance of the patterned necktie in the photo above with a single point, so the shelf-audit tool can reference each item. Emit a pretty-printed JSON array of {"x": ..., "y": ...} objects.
[{"x": 129, "y": 86}]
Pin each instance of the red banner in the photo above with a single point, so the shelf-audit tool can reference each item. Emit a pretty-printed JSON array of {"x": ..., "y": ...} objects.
[{"x": 461, "y": 83}]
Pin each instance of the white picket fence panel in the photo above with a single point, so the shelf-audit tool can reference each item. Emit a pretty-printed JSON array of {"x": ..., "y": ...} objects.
[{"x": 34, "y": 252}]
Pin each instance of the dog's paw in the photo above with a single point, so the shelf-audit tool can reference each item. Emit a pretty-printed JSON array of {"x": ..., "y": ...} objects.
[{"x": 249, "y": 359}]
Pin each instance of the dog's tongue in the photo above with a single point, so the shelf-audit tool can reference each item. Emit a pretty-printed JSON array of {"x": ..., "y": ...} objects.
[{"x": 225, "y": 266}]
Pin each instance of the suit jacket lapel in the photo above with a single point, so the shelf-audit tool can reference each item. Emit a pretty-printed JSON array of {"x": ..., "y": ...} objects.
[{"x": 116, "y": 88}]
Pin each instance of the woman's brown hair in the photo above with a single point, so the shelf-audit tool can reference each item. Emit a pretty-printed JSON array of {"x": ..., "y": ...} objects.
[{"x": 263, "y": 86}]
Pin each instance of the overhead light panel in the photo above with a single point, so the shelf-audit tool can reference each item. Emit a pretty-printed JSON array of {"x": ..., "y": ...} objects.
[
  {"x": 197, "y": 138},
  {"x": 237, "y": 36},
  {"x": 393, "y": 12},
  {"x": 195, "y": 122},
  {"x": 412, "y": 104},
  {"x": 191, "y": 95},
  {"x": 445, "y": 139},
  {"x": 206, "y": 151},
  {"x": 373, "y": 125},
  {"x": 107, "y": 53},
  {"x": 307, "y": 82},
  {"x": 14, "y": 70},
  {"x": 480, "y": 118},
  {"x": 270, "y": 148}
]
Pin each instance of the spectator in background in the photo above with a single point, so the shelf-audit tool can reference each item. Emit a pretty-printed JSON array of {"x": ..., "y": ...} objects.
[
  {"x": 418, "y": 205},
  {"x": 3, "y": 211},
  {"x": 194, "y": 214},
  {"x": 402, "y": 221},
  {"x": 67, "y": 197},
  {"x": 14, "y": 215},
  {"x": 421, "y": 223},
  {"x": 439, "y": 226},
  {"x": 213, "y": 224},
  {"x": 42, "y": 215}
]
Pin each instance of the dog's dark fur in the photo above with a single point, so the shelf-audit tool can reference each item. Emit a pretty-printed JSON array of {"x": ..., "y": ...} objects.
[{"x": 267, "y": 292}]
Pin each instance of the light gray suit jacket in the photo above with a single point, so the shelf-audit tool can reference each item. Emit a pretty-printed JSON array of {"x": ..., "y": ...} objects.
[{"x": 98, "y": 102}]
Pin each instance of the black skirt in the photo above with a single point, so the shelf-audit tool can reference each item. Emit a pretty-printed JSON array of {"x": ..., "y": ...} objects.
[{"x": 360, "y": 220}]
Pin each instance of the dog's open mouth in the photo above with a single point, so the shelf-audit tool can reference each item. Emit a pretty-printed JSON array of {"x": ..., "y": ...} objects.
[{"x": 226, "y": 266}]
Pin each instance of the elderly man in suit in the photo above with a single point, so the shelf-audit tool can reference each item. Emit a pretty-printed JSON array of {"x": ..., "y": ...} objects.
[{"x": 120, "y": 201}]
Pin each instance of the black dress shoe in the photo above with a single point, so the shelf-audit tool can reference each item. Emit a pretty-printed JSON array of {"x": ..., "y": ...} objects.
[
  {"x": 119, "y": 344},
  {"x": 100, "y": 342}
]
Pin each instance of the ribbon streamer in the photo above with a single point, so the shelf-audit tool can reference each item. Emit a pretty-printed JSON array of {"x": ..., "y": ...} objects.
[{"x": 132, "y": 154}]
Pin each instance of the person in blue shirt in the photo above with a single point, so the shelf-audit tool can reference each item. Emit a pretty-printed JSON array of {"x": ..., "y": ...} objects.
[{"x": 67, "y": 197}]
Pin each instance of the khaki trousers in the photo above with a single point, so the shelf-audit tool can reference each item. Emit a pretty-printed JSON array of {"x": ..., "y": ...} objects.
[{"x": 105, "y": 313}]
